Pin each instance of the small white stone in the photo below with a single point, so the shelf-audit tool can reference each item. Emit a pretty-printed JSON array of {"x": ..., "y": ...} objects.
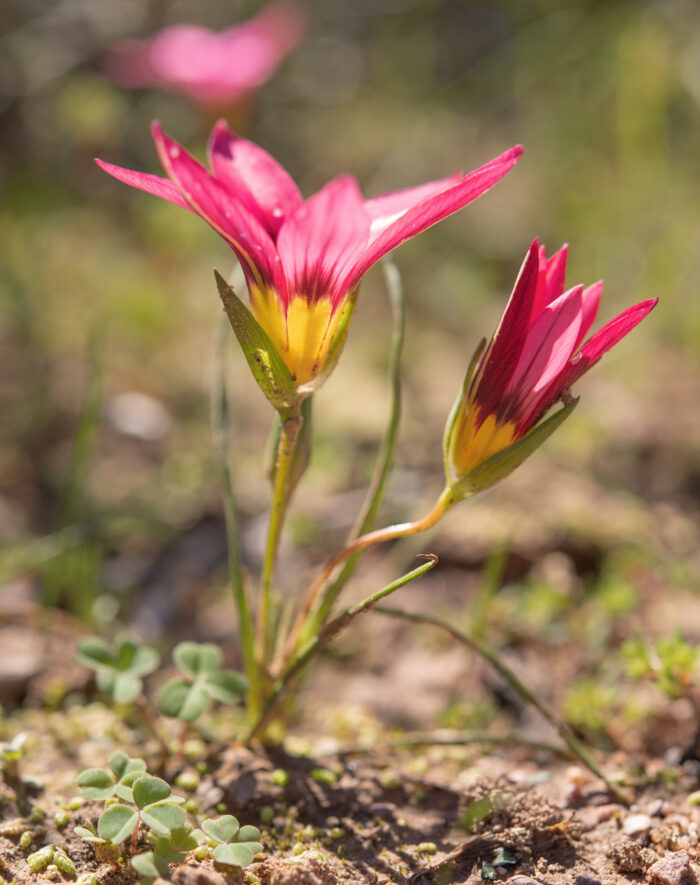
[{"x": 636, "y": 824}]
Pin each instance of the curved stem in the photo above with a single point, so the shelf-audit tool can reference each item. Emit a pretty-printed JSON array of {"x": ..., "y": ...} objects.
[
  {"x": 527, "y": 694},
  {"x": 289, "y": 434},
  {"x": 379, "y": 536}
]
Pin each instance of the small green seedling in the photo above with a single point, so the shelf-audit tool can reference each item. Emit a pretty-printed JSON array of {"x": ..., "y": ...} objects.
[
  {"x": 96, "y": 783},
  {"x": 233, "y": 845},
  {"x": 11, "y": 753},
  {"x": 155, "y": 807},
  {"x": 670, "y": 662},
  {"x": 203, "y": 680},
  {"x": 118, "y": 671},
  {"x": 166, "y": 850}
]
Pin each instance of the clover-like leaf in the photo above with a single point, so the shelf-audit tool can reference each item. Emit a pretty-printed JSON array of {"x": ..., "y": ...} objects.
[
  {"x": 184, "y": 838},
  {"x": 163, "y": 817},
  {"x": 237, "y": 854},
  {"x": 126, "y": 687},
  {"x": 197, "y": 659},
  {"x": 182, "y": 699},
  {"x": 89, "y": 833},
  {"x": 94, "y": 653},
  {"x": 148, "y": 864},
  {"x": 248, "y": 833},
  {"x": 226, "y": 686},
  {"x": 221, "y": 829},
  {"x": 96, "y": 783},
  {"x": 117, "y": 823},
  {"x": 148, "y": 789}
]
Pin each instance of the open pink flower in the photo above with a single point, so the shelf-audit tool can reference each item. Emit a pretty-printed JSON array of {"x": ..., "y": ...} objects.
[
  {"x": 533, "y": 359},
  {"x": 212, "y": 68},
  {"x": 303, "y": 260}
]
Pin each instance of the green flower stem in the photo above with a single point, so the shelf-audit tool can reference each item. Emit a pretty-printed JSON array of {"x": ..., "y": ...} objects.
[
  {"x": 308, "y": 623},
  {"x": 493, "y": 659},
  {"x": 245, "y": 621},
  {"x": 390, "y": 533},
  {"x": 289, "y": 435},
  {"x": 328, "y": 633}
]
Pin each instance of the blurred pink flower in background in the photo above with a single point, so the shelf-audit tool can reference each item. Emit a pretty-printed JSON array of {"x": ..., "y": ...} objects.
[{"x": 214, "y": 69}]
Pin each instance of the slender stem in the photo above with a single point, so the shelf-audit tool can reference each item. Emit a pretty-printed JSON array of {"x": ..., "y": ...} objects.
[
  {"x": 307, "y": 624},
  {"x": 450, "y": 738},
  {"x": 329, "y": 632},
  {"x": 221, "y": 422},
  {"x": 378, "y": 536},
  {"x": 289, "y": 435},
  {"x": 491, "y": 657}
]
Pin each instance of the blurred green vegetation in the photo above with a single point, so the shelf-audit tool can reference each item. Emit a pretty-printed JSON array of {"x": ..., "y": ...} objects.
[{"x": 106, "y": 292}]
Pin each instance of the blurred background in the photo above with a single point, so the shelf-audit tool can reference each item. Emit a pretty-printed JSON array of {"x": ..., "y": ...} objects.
[{"x": 110, "y": 490}]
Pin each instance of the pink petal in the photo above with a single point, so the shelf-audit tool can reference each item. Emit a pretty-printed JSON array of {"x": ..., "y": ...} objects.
[
  {"x": 433, "y": 209},
  {"x": 152, "y": 184},
  {"x": 324, "y": 237},
  {"x": 604, "y": 339},
  {"x": 282, "y": 24},
  {"x": 254, "y": 177},
  {"x": 387, "y": 208},
  {"x": 499, "y": 361},
  {"x": 229, "y": 218},
  {"x": 545, "y": 354},
  {"x": 591, "y": 302},
  {"x": 550, "y": 281}
]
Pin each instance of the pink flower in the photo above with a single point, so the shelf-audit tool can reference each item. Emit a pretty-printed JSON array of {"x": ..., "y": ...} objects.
[
  {"x": 213, "y": 69},
  {"x": 303, "y": 260},
  {"x": 533, "y": 359}
]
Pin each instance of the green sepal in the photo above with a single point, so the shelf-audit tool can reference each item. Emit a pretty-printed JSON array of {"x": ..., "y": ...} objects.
[
  {"x": 456, "y": 408},
  {"x": 269, "y": 369},
  {"x": 335, "y": 349},
  {"x": 503, "y": 463}
]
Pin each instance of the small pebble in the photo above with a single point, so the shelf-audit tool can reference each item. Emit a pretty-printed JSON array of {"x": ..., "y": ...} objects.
[
  {"x": 654, "y": 808},
  {"x": 636, "y": 824},
  {"x": 674, "y": 869}
]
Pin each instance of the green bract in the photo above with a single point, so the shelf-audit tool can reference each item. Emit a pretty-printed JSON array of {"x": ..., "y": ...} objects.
[
  {"x": 503, "y": 463},
  {"x": 118, "y": 671},
  {"x": 269, "y": 369},
  {"x": 186, "y": 698}
]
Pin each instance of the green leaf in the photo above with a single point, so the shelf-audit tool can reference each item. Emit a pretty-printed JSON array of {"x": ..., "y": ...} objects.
[
  {"x": 125, "y": 688},
  {"x": 503, "y": 463},
  {"x": 183, "y": 700},
  {"x": 118, "y": 762},
  {"x": 227, "y": 686},
  {"x": 248, "y": 833},
  {"x": 87, "y": 834},
  {"x": 144, "y": 661},
  {"x": 96, "y": 783},
  {"x": 94, "y": 653},
  {"x": 221, "y": 829},
  {"x": 126, "y": 652},
  {"x": 150, "y": 865},
  {"x": 197, "y": 659},
  {"x": 163, "y": 817},
  {"x": 269, "y": 369},
  {"x": 117, "y": 823},
  {"x": 149, "y": 789},
  {"x": 456, "y": 408},
  {"x": 185, "y": 838},
  {"x": 238, "y": 855},
  {"x": 125, "y": 793}
]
